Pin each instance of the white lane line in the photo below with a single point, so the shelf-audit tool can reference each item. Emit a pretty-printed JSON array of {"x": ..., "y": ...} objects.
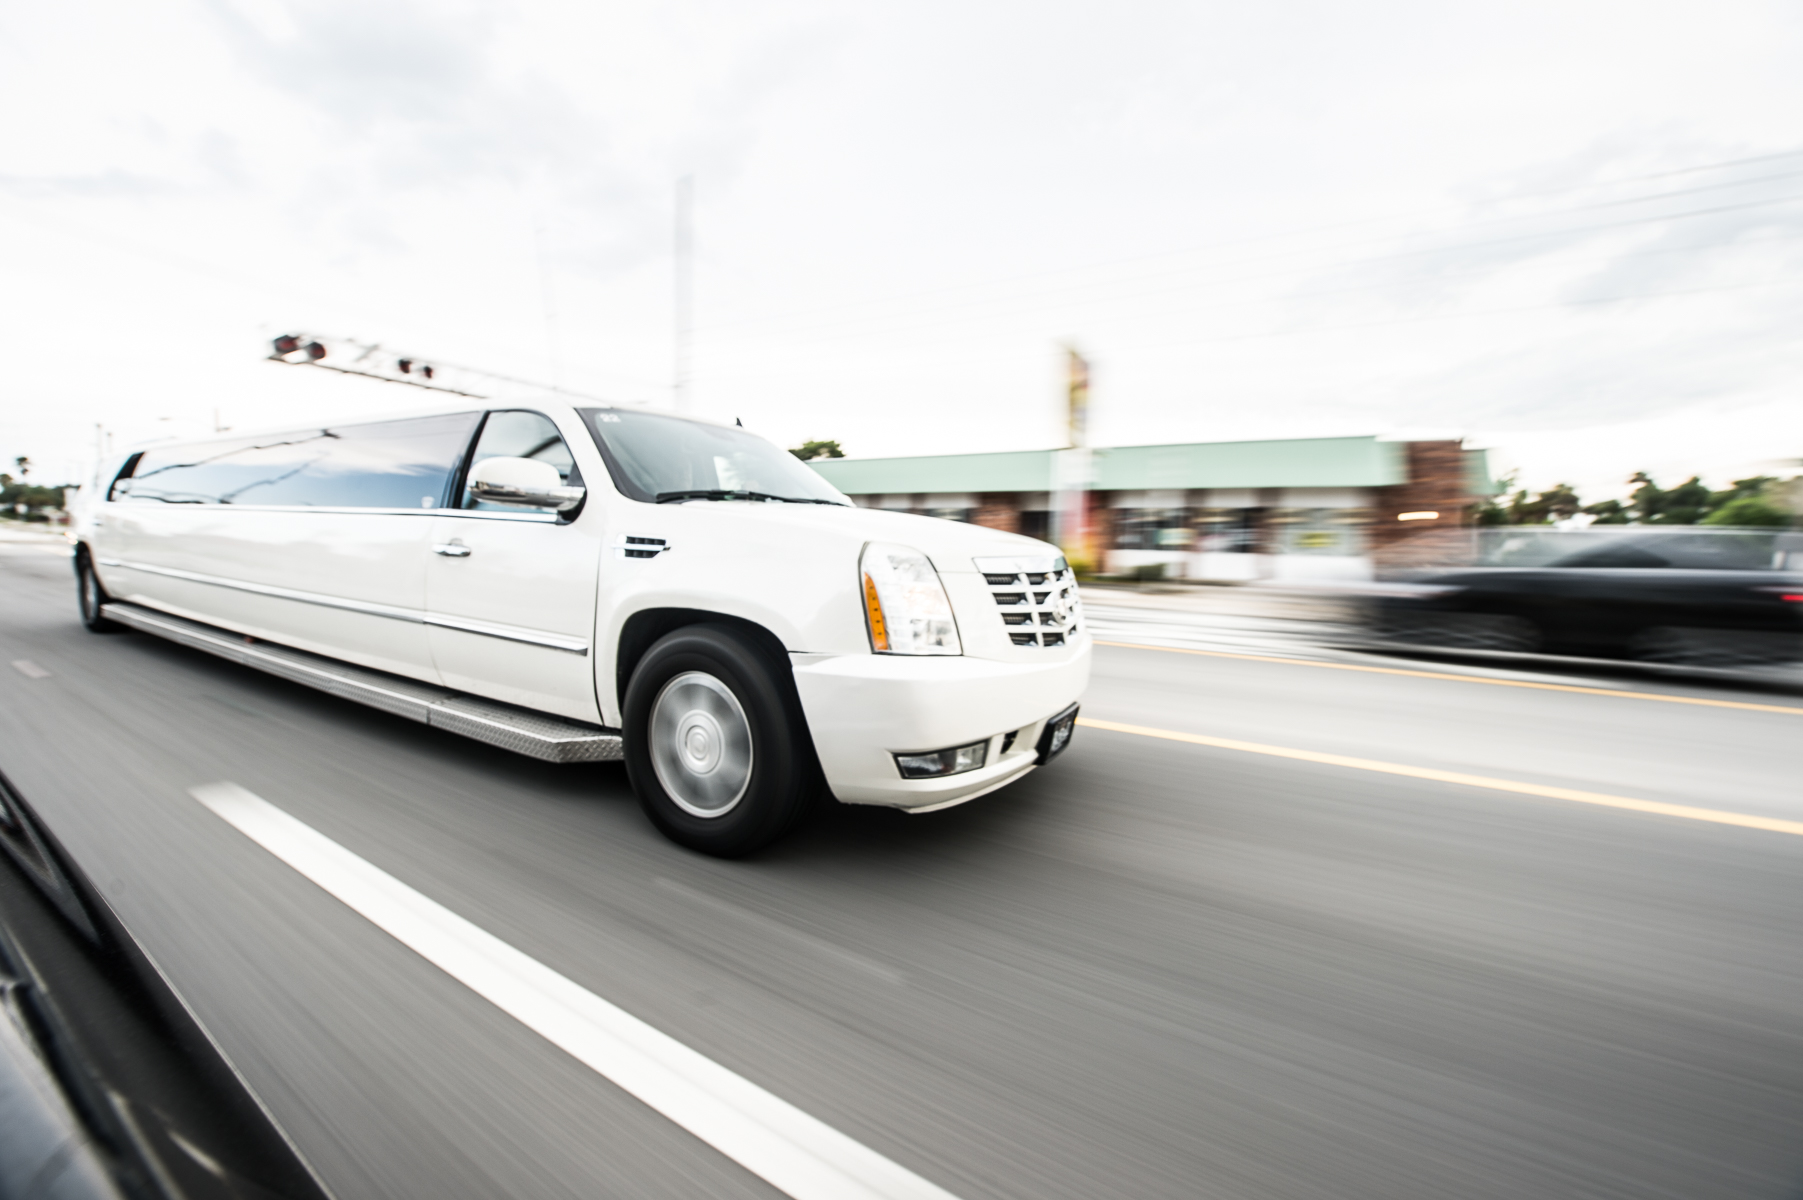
[
  {"x": 770, "y": 1137},
  {"x": 29, "y": 669}
]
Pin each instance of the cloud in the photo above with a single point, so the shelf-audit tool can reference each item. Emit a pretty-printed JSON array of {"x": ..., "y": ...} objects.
[
  {"x": 902, "y": 210},
  {"x": 109, "y": 184}
]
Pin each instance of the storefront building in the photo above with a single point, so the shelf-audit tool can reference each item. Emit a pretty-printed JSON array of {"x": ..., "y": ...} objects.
[{"x": 1302, "y": 508}]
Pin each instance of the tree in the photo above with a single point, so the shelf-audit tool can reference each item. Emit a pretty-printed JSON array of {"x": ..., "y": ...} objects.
[
  {"x": 1555, "y": 504},
  {"x": 1609, "y": 512},
  {"x": 14, "y": 492},
  {"x": 809, "y": 451},
  {"x": 1758, "y": 500},
  {"x": 1489, "y": 512},
  {"x": 24, "y": 464},
  {"x": 1685, "y": 504},
  {"x": 1759, "y": 487}
]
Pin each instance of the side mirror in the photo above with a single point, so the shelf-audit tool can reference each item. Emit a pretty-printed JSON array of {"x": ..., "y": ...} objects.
[{"x": 525, "y": 482}]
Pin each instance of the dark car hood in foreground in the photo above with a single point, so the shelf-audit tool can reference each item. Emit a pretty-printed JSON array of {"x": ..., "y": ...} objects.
[{"x": 108, "y": 1086}]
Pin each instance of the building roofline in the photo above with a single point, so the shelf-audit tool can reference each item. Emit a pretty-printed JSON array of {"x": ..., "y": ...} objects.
[{"x": 1345, "y": 461}]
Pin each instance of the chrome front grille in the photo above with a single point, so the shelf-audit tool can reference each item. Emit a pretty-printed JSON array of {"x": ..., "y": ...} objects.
[{"x": 1036, "y": 598}]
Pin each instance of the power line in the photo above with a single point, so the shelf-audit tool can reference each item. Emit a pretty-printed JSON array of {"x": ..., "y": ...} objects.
[
  {"x": 1089, "y": 289},
  {"x": 1167, "y": 254},
  {"x": 1399, "y": 256},
  {"x": 1484, "y": 312},
  {"x": 1271, "y": 335}
]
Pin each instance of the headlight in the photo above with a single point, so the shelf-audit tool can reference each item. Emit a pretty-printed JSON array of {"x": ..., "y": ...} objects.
[{"x": 905, "y": 604}]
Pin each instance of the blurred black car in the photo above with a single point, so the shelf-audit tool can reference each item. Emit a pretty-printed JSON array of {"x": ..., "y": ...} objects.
[{"x": 1715, "y": 598}]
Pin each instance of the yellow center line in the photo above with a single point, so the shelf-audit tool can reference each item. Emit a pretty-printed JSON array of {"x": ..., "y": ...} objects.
[
  {"x": 1686, "y": 811},
  {"x": 1792, "y": 709}
]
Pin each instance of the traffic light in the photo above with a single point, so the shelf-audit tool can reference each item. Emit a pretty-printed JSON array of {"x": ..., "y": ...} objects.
[
  {"x": 362, "y": 358},
  {"x": 290, "y": 343}
]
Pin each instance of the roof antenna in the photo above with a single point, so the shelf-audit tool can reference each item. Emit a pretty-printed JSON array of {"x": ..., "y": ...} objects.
[{"x": 738, "y": 422}]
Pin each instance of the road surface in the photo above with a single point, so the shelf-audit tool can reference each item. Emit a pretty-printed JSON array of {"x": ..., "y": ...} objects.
[{"x": 1162, "y": 968}]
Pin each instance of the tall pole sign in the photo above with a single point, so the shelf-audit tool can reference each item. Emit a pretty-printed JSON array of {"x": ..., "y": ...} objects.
[
  {"x": 1077, "y": 407},
  {"x": 1073, "y": 533}
]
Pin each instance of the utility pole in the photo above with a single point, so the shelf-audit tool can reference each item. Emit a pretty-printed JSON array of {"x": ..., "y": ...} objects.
[
  {"x": 547, "y": 297},
  {"x": 684, "y": 290}
]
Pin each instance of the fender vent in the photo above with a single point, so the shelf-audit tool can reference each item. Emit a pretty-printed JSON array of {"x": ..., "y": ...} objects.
[{"x": 633, "y": 546}]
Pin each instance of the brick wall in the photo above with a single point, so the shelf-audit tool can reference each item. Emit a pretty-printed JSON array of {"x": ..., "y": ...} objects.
[
  {"x": 1436, "y": 483},
  {"x": 997, "y": 510},
  {"x": 1101, "y": 527}
]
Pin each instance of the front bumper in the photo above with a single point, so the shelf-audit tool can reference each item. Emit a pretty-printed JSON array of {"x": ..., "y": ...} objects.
[{"x": 864, "y": 709}]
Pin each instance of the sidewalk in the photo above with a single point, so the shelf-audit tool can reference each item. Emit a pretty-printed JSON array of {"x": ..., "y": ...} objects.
[
  {"x": 1246, "y": 619},
  {"x": 1269, "y": 601},
  {"x": 20, "y": 537}
]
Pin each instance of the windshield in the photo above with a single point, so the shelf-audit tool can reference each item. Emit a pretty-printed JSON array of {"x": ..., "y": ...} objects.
[{"x": 653, "y": 457}]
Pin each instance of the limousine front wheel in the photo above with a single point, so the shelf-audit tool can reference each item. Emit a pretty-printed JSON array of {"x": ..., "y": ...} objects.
[
  {"x": 89, "y": 595},
  {"x": 714, "y": 747}
]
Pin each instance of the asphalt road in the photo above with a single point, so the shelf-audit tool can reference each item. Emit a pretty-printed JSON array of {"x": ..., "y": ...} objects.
[{"x": 1155, "y": 969}]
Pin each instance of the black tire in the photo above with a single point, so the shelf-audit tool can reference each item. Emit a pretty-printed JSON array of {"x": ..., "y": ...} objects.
[
  {"x": 716, "y": 746},
  {"x": 90, "y": 596}
]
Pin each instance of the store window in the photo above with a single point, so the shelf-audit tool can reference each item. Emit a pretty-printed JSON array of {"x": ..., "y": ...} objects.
[
  {"x": 1226, "y": 530},
  {"x": 1152, "y": 529},
  {"x": 1335, "y": 531}
]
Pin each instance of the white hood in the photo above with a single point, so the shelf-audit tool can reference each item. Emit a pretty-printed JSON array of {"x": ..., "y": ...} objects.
[{"x": 951, "y": 545}]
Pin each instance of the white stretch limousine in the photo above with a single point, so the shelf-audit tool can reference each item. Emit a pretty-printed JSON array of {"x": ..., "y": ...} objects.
[{"x": 595, "y": 583}]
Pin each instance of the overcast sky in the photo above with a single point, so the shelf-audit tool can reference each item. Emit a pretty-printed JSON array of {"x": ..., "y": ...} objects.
[{"x": 1571, "y": 232}]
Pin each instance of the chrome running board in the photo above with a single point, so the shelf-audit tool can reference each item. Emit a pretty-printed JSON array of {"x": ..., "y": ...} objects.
[{"x": 539, "y": 735}]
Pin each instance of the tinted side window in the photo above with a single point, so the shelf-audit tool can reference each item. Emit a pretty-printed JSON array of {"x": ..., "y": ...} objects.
[
  {"x": 516, "y": 433},
  {"x": 1722, "y": 552},
  {"x": 385, "y": 464},
  {"x": 182, "y": 474},
  {"x": 1684, "y": 551},
  {"x": 1622, "y": 557}
]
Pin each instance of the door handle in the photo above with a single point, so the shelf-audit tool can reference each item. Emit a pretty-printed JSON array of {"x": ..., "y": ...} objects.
[{"x": 452, "y": 549}]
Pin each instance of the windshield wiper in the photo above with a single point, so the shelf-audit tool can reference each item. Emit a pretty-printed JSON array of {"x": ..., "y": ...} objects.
[
  {"x": 730, "y": 494},
  {"x": 714, "y": 494}
]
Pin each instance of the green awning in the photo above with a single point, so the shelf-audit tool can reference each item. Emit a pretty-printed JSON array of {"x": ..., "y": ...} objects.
[
  {"x": 1287, "y": 463},
  {"x": 1015, "y": 471}
]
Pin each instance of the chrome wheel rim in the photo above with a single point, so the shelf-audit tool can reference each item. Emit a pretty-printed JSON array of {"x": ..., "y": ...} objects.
[{"x": 700, "y": 744}]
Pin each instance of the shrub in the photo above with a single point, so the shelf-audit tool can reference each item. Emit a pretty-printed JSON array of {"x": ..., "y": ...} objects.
[{"x": 1748, "y": 511}]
